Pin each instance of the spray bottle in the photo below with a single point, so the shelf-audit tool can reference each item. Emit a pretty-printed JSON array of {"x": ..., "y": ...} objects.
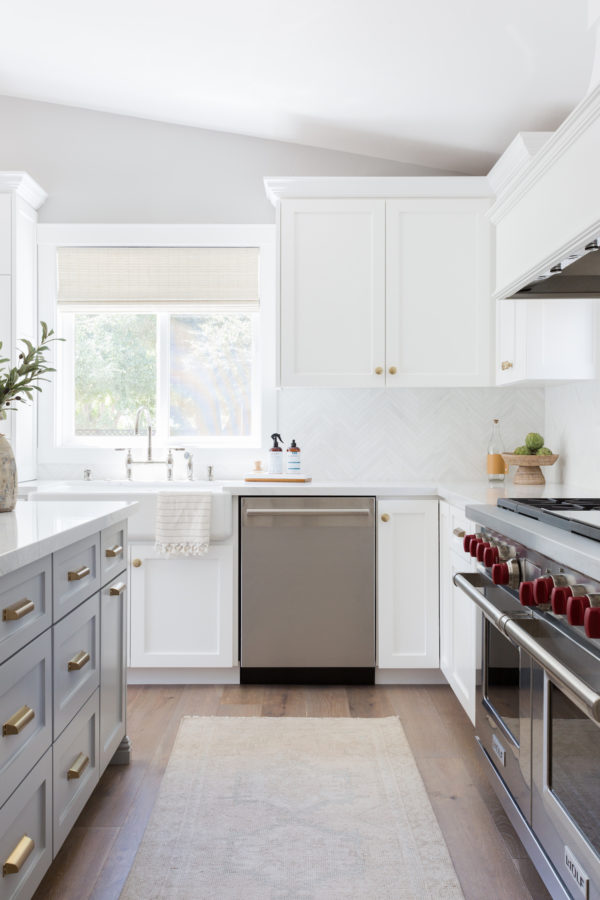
[{"x": 275, "y": 466}]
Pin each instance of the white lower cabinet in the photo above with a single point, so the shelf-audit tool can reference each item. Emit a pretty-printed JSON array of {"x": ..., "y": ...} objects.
[
  {"x": 181, "y": 609},
  {"x": 407, "y": 584},
  {"x": 460, "y": 620}
]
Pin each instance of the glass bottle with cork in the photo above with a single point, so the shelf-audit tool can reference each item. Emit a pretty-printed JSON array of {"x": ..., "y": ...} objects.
[{"x": 496, "y": 467}]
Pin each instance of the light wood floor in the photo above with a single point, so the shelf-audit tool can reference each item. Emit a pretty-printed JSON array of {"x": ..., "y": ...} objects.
[{"x": 488, "y": 856}]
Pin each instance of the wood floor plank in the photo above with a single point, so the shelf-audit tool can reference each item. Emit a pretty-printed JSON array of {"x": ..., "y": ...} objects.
[
  {"x": 284, "y": 701},
  {"x": 369, "y": 702},
  {"x": 243, "y": 693},
  {"x": 327, "y": 701},
  {"x": 240, "y": 709},
  {"x": 479, "y": 856},
  {"x": 77, "y": 864}
]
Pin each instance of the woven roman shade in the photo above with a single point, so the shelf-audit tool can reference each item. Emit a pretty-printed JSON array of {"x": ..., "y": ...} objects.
[{"x": 127, "y": 276}]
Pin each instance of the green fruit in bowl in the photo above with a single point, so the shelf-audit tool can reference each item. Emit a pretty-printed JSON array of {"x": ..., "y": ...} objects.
[
  {"x": 522, "y": 451},
  {"x": 544, "y": 451},
  {"x": 534, "y": 441}
]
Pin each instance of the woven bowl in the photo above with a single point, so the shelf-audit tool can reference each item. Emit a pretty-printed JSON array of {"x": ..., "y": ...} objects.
[{"x": 529, "y": 471}]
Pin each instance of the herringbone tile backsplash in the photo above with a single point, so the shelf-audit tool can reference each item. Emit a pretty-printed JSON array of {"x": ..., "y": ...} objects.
[{"x": 406, "y": 433}]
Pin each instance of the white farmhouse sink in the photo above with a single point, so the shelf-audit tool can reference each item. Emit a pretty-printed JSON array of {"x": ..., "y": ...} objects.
[{"x": 143, "y": 522}]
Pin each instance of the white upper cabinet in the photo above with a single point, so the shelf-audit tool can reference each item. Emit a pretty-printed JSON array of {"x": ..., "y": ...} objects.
[
  {"x": 546, "y": 340},
  {"x": 332, "y": 257},
  {"x": 385, "y": 291},
  {"x": 437, "y": 292}
]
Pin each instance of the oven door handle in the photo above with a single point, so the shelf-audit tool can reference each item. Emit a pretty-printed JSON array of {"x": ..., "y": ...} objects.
[
  {"x": 468, "y": 582},
  {"x": 580, "y": 693}
]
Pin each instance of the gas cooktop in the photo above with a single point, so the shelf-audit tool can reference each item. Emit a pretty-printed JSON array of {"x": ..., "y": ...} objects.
[{"x": 580, "y": 516}]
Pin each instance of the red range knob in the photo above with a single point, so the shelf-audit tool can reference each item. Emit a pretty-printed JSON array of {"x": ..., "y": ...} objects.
[
  {"x": 474, "y": 545},
  {"x": 576, "y": 607},
  {"x": 526, "y": 595},
  {"x": 490, "y": 557},
  {"x": 558, "y": 599},
  {"x": 591, "y": 620},
  {"x": 500, "y": 573},
  {"x": 467, "y": 542},
  {"x": 541, "y": 590},
  {"x": 481, "y": 548}
]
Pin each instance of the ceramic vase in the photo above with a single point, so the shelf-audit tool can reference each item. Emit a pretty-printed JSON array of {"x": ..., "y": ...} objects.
[{"x": 8, "y": 477}]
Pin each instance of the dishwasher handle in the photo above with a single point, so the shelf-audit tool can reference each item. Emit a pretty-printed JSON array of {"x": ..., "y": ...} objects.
[{"x": 362, "y": 511}]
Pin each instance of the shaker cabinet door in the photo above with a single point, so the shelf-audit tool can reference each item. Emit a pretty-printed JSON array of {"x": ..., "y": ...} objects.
[
  {"x": 438, "y": 293},
  {"x": 407, "y": 584},
  {"x": 332, "y": 293},
  {"x": 181, "y": 609}
]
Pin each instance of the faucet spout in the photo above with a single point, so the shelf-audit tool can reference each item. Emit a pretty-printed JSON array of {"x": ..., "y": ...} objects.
[{"x": 143, "y": 410}]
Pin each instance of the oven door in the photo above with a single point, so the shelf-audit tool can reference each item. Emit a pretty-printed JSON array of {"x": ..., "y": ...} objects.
[
  {"x": 566, "y": 785},
  {"x": 503, "y": 708}
]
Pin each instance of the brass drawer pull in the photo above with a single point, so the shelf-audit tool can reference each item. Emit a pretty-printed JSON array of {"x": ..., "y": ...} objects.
[
  {"x": 117, "y": 550},
  {"x": 79, "y": 766},
  {"x": 506, "y": 365},
  {"x": 392, "y": 370},
  {"x": 459, "y": 532},
  {"x": 379, "y": 370},
  {"x": 385, "y": 517},
  {"x": 18, "y": 721},
  {"x": 17, "y": 610},
  {"x": 78, "y": 661},
  {"x": 136, "y": 563},
  {"x": 18, "y": 856},
  {"x": 79, "y": 574},
  {"x": 117, "y": 589}
]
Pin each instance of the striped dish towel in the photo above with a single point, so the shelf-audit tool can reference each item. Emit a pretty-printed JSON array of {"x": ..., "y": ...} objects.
[{"x": 183, "y": 523}]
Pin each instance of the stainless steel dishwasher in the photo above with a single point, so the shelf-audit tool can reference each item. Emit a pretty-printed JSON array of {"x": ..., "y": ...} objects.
[{"x": 307, "y": 595}]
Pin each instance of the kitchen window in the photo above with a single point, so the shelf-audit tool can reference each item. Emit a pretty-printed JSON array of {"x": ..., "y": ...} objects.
[{"x": 179, "y": 330}]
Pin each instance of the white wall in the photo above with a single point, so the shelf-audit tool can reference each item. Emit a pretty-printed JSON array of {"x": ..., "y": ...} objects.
[
  {"x": 99, "y": 167},
  {"x": 573, "y": 430}
]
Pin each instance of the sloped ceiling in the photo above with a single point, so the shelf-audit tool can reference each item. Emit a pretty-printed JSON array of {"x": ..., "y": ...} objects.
[{"x": 442, "y": 83}]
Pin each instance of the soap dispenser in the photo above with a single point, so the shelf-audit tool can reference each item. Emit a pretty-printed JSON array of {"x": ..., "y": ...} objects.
[
  {"x": 275, "y": 466},
  {"x": 293, "y": 458}
]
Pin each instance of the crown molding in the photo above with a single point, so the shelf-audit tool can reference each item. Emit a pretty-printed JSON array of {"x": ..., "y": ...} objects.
[
  {"x": 325, "y": 186},
  {"x": 513, "y": 162},
  {"x": 586, "y": 112},
  {"x": 24, "y": 186}
]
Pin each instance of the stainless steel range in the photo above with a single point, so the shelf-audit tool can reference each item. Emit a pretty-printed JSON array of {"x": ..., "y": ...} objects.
[{"x": 538, "y": 706}]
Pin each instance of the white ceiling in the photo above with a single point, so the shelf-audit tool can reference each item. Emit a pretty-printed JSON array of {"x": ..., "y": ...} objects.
[{"x": 443, "y": 83}]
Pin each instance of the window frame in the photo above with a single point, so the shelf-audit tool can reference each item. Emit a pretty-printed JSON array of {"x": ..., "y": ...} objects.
[{"x": 55, "y": 445}]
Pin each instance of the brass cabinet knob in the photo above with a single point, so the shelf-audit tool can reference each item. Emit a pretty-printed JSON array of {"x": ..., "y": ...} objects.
[
  {"x": 385, "y": 517},
  {"x": 379, "y": 370},
  {"x": 506, "y": 365},
  {"x": 392, "y": 370},
  {"x": 137, "y": 563}
]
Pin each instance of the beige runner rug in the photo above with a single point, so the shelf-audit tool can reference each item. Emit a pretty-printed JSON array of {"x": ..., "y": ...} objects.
[{"x": 274, "y": 808}]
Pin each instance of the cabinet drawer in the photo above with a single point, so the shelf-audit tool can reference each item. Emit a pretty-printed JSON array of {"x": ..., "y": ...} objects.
[
  {"x": 26, "y": 824},
  {"x": 76, "y": 574},
  {"x": 75, "y": 768},
  {"x": 113, "y": 551},
  {"x": 26, "y": 605},
  {"x": 25, "y": 688},
  {"x": 113, "y": 662},
  {"x": 75, "y": 676}
]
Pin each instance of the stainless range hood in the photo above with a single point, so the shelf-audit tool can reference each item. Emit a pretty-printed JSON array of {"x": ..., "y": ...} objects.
[{"x": 576, "y": 277}]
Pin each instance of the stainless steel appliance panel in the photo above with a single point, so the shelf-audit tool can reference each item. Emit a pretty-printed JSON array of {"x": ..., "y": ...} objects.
[{"x": 307, "y": 582}]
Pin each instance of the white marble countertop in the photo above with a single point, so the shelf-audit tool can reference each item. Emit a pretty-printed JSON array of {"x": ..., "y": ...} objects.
[
  {"x": 33, "y": 530},
  {"x": 458, "y": 493}
]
